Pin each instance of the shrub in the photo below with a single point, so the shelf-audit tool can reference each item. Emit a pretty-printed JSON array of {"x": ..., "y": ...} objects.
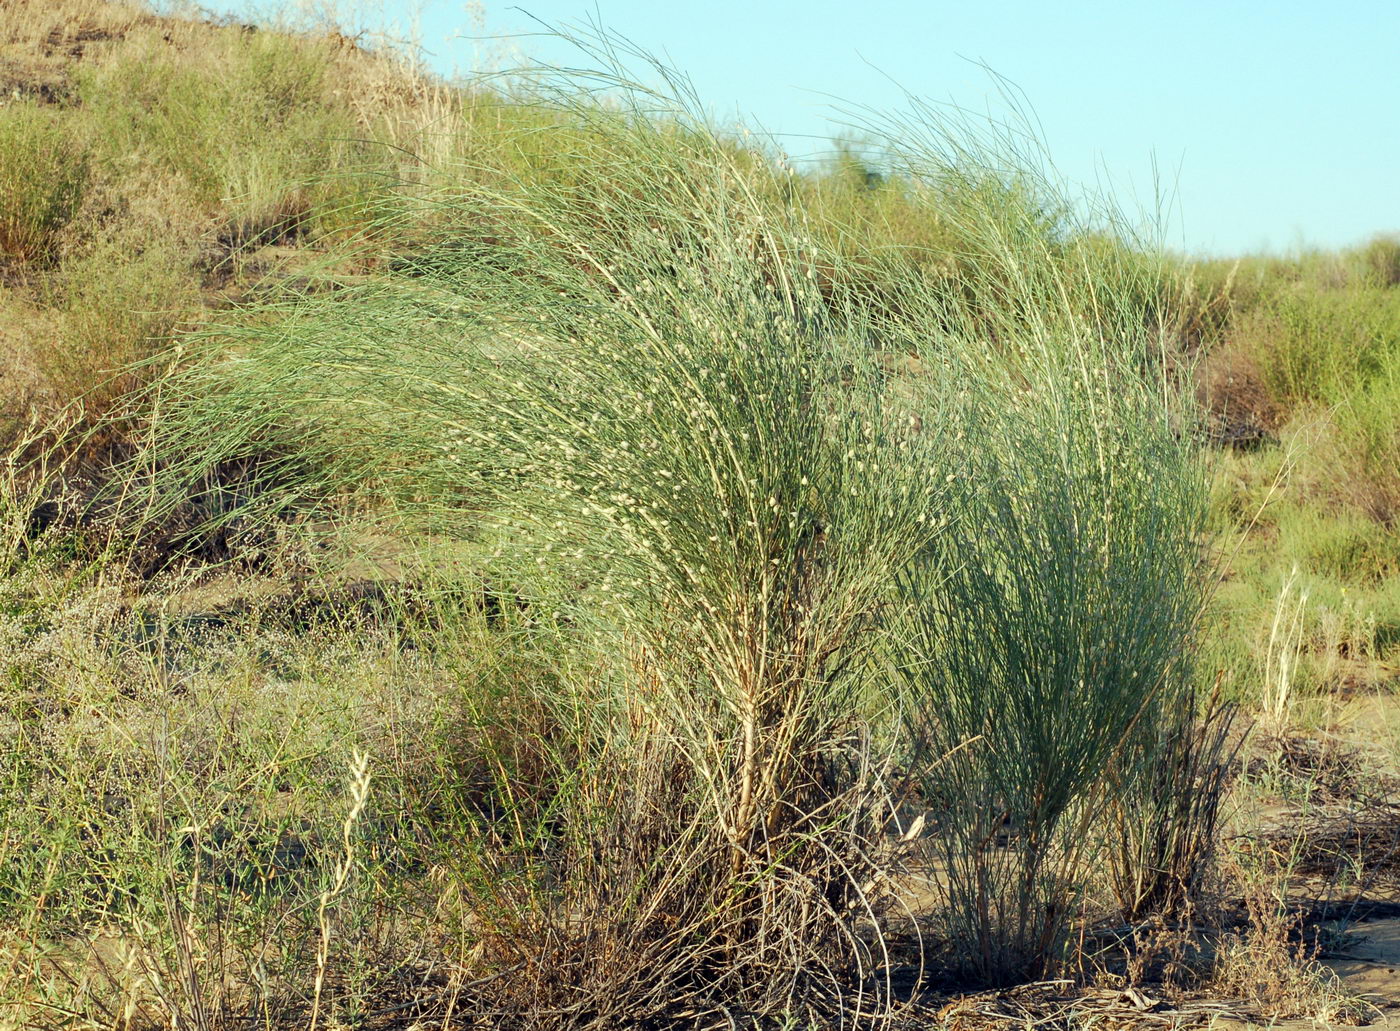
[
  {"x": 1341, "y": 349},
  {"x": 1322, "y": 345},
  {"x": 1054, "y": 614},
  {"x": 1060, "y": 604},
  {"x": 686, "y": 460},
  {"x": 1347, "y": 545},
  {"x": 656, "y": 398},
  {"x": 43, "y": 173},
  {"x": 1381, "y": 260},
  {"x": 1369, "y": 445}
]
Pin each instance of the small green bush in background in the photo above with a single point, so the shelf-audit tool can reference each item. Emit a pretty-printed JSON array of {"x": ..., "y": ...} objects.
[
  {"x": 43, "y": 174},
  {"x": 1381, "y": 259},
  {"x": 1329, "y": 358},
  {"x": 1344, "y": 545},
  {"x": 1369, "y": 432}
]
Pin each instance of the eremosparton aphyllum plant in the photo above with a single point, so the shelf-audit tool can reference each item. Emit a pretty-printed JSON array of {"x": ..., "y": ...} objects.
[
  {"x": 1046, "y": 660},
  {"x": 627, "y": 383},
  {"x": 1038, "y": 663}
]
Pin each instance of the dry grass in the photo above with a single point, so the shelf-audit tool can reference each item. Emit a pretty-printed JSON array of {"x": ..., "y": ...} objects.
[
  {"x": 41, "y": 26},
  {"x": 1272, "y": 962}
]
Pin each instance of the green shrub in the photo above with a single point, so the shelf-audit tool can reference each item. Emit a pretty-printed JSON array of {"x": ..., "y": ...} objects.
[
  {"x": 1347, "y": 545},
  {"x": 43, "y": 174},
  {"x": 684, "y": 459},
  {"x": 729, "y": 463},
  {"x": 1380, "y": 258},
  {"x": 1340, "y": 349},
  {"x": 1052, "y": 630},
  {"x": 1369, "y": 443},
  {"x": 1059, "y": 608}
]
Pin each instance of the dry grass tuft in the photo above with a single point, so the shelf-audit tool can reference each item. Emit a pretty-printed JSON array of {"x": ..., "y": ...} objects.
[{"x": 1272, "y": 967}]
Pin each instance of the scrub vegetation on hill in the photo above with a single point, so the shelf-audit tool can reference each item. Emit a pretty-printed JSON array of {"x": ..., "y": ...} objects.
[{"x": 513, "y": 554}]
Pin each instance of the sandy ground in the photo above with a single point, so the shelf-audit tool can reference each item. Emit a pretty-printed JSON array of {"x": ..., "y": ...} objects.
[{"x": 1368, "y": 963}]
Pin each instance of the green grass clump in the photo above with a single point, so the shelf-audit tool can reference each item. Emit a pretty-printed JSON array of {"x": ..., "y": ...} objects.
[
  {"x": 763, "y": 487},
  {"x": 1067, "y": 598},
  {"x": 1369, "y": 443},
  {"x": 43, "y": 175},
  {"x": 1321, "y": 361},
  {"x": 677, "y": 438},
  {"x": 1380, "y": 257},
  {"x": 1346, "y": 546}
]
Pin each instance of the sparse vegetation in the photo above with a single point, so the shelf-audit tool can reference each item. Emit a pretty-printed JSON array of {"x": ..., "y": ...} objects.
[{"x": 487, "y": 555}]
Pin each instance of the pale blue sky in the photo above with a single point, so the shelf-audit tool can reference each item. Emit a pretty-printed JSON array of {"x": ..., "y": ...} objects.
[{"x": 1278, "y": 122}]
